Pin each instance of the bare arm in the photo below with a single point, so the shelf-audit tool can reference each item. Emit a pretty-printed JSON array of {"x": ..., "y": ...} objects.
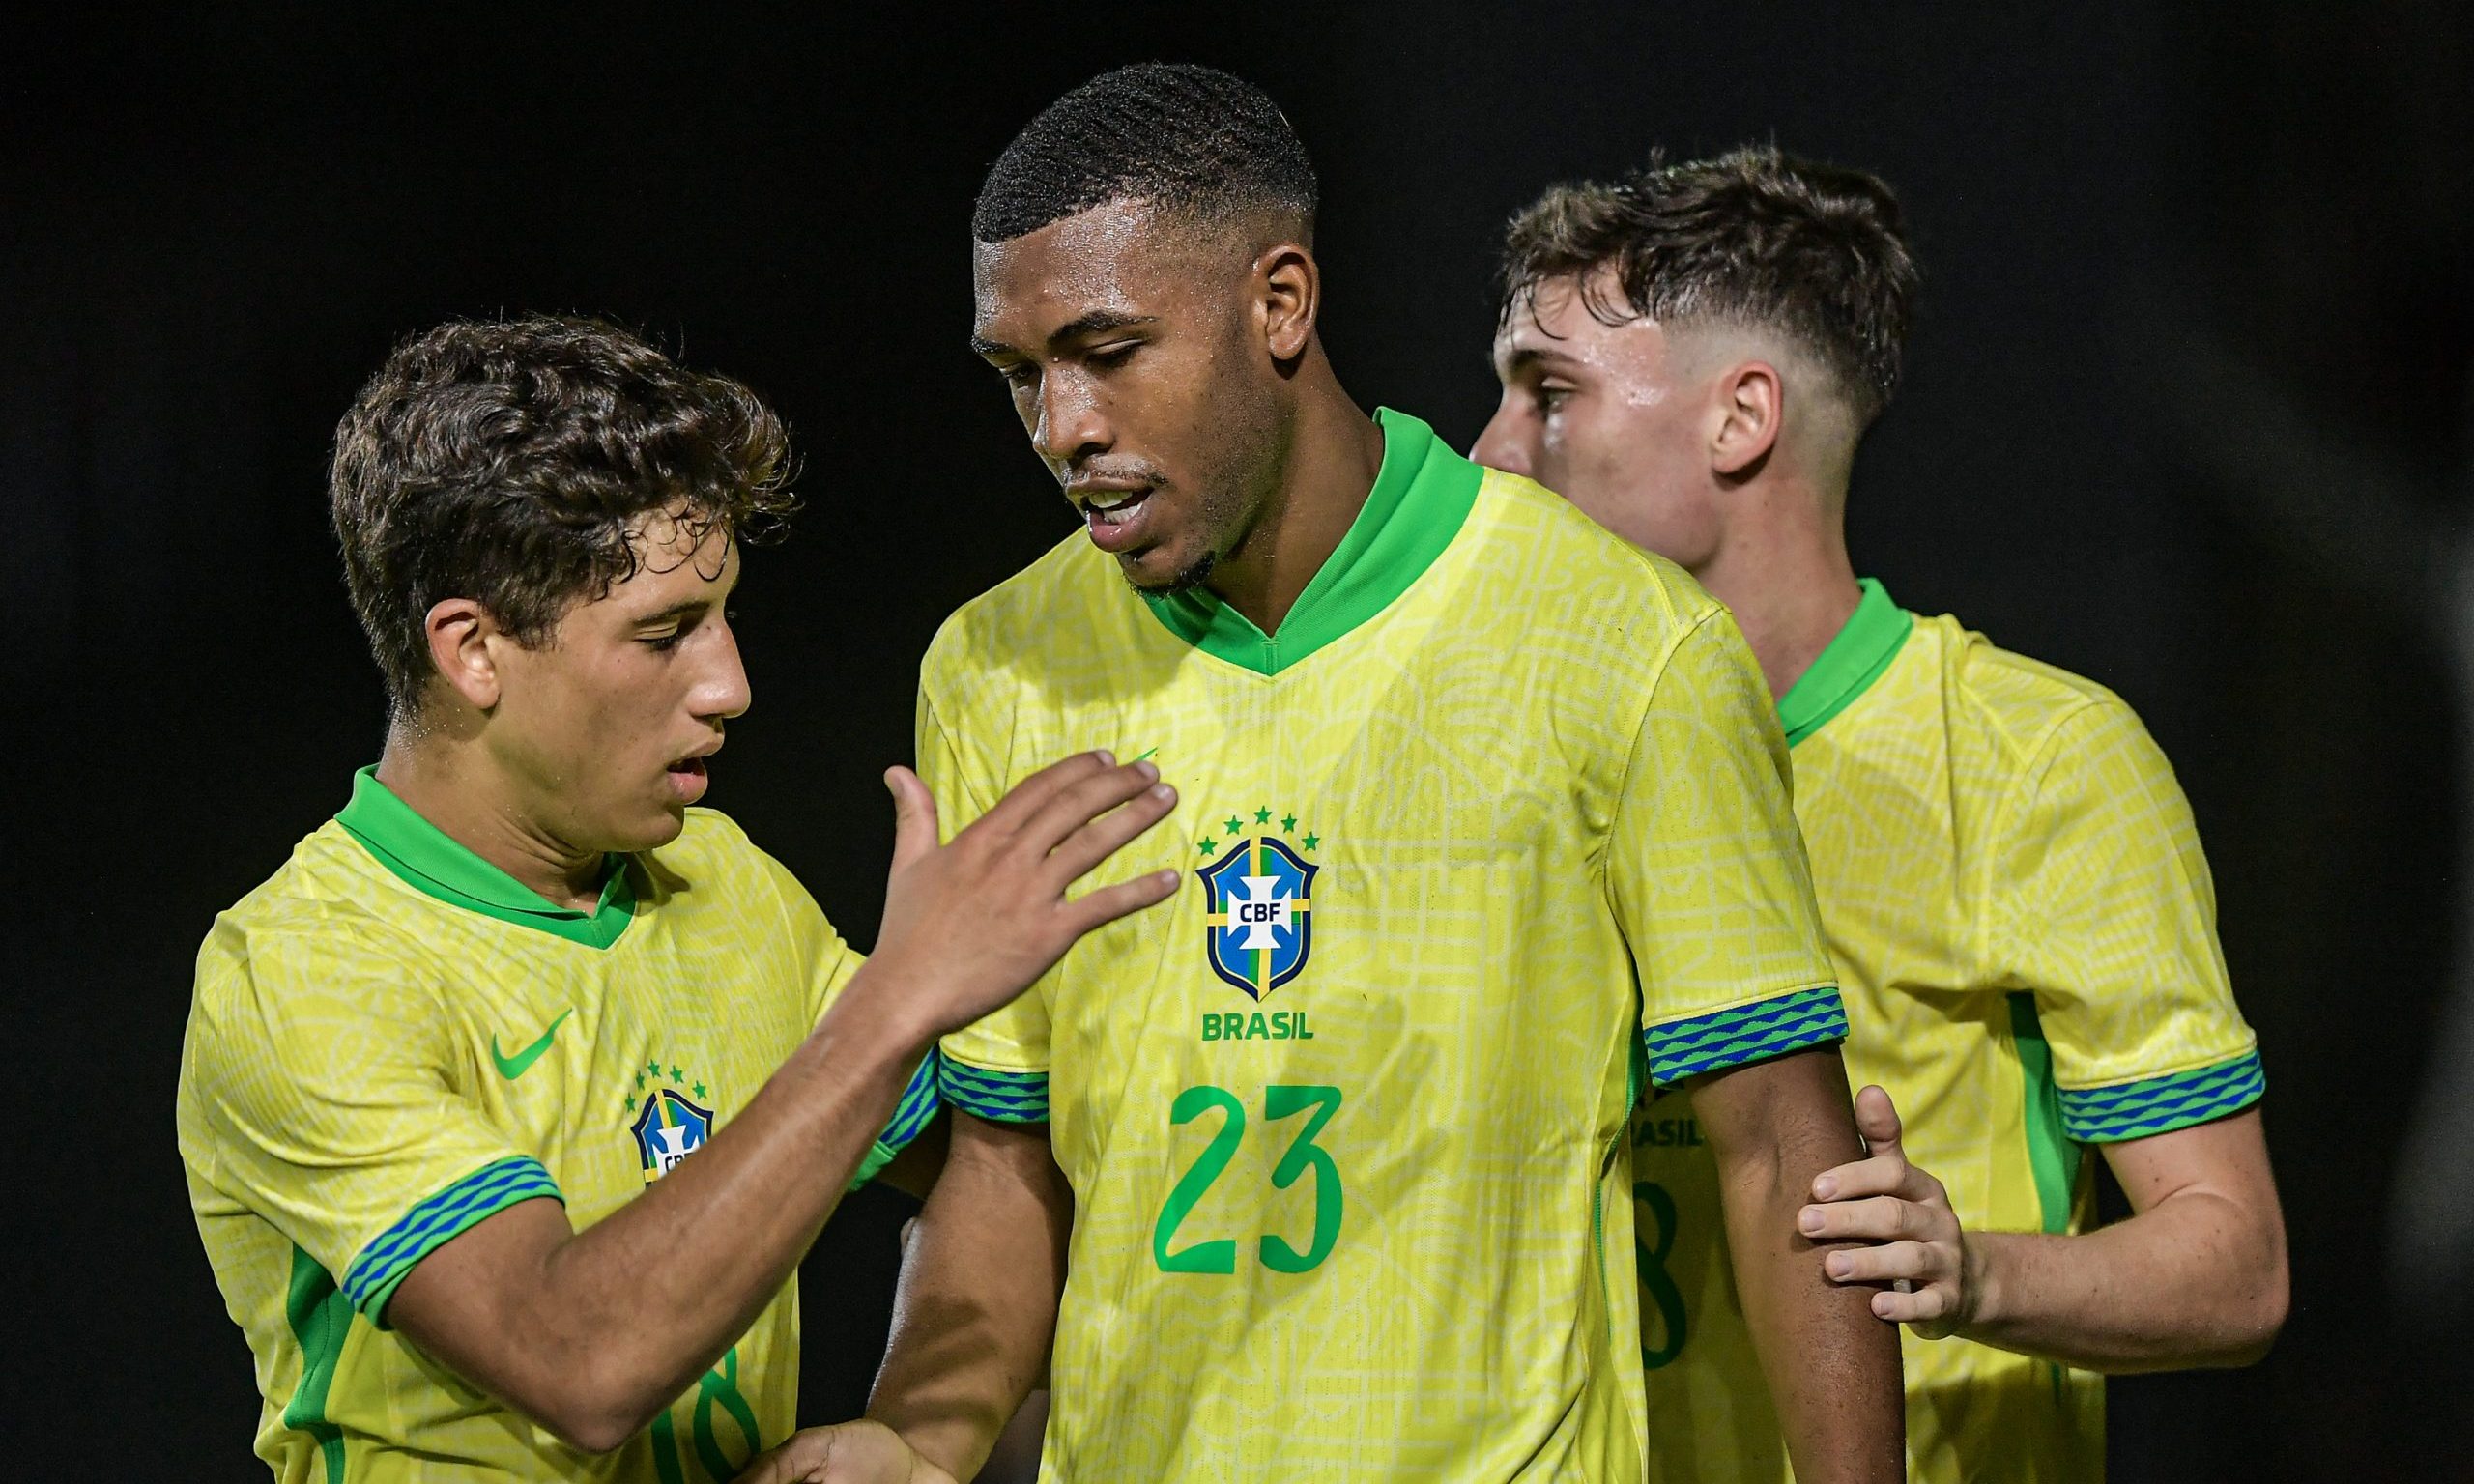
[
  {"x": 1833, "y": 1368},
  {"x": 977, "y": 1307},
  {"x": 594, "y": 1333},
  {"x": 2195, "y": 1277}
]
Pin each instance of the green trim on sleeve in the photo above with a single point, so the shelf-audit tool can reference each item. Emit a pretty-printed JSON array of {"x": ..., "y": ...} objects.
[
  {"x": 2152, "y": 1106},
  {"x": 1422, "y": 496},
  {"x": 2051, "y": 1152},
  {"x": 999, "y": 1096},
  {"x": 1741, "y": 1034},
  {"x": 371, "y": 1279},
  {"x": 919, "y": 1104},
  {"x": 320, "y": 1317},
  {"x": 431, "y": 862},
  {"x": 1862, "y": 650}
]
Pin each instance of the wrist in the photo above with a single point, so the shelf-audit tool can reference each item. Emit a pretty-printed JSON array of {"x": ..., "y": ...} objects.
[
  {"x": 1979, "y": 1281},
  {"x": 880, "y": 1017}
]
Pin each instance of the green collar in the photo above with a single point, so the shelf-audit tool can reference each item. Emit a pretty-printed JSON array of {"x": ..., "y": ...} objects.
[
  {"x": 1864, "y": 647},
  {"x": 427, "y": 859},
  {"x": 1421, "y": 497}
]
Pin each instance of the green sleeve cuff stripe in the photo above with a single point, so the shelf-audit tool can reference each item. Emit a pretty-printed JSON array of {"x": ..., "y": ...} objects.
[
  {"x": 876, "y": 1160},
  {"x": 1001, "y": 1097},
  {"x": 2134, "y": 1111},
  {"x": 485, "y": 1192},
  {"x": 1681, "y": 1049},
  {"x": 918, "y": 1106}
]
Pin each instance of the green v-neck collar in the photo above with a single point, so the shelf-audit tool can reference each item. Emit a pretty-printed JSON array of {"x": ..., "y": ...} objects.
[
  {"x": 428, "y": 860},
  {"x": 1863, "y": 649},
  {"x": 1421, "y": 497}
]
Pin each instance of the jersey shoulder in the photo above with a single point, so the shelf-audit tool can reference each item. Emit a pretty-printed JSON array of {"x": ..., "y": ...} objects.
[
  {"x": 2016, "y": 706},
  {"x": 1071, "y": 600},
  {"x": 1554, "y": 562}
]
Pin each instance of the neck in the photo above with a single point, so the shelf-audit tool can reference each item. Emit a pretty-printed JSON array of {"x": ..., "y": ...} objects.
[
  {"x": 1783, "y": 569},
  {"x": 1334, "y": 452},
  {"x": 448, "y": 782}
]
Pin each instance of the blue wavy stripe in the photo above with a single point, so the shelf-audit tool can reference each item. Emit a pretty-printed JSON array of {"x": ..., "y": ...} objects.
[
  {"x": 1002, "y": 1097},
  {"x": 485, "y": 1191},
  {"x": 1744, "y": 1033},
  {"x": 2134, "y": 1111},
  {"x": 918, "y": 1106}
]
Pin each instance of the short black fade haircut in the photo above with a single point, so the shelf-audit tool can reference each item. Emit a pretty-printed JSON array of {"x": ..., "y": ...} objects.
[
  {"x": 1187, "y": 139},
  {"x": 1753, "y": 236},
  {"x": 507, "y": 462}
]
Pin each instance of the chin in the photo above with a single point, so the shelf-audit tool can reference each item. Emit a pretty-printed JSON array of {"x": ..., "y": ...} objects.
[{"x": 1158, "y": 573}]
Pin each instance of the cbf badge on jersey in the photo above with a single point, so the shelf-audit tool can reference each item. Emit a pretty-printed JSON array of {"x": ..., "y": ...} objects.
[
  {"x": 1259, "y": 907},
  {"x": 668, "y": 1129}
]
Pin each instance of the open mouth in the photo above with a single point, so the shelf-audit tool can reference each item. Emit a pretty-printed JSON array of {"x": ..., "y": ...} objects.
[
  {"x": 1115, "y": 516},
  {"x": 687, "y": 777}
]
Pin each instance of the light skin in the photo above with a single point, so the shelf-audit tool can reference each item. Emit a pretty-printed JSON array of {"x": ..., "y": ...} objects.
[
  {"x": 543, "y": 757},
  {"x": 1209, "y": 388},
  {"x": 1728, "y": 450}
]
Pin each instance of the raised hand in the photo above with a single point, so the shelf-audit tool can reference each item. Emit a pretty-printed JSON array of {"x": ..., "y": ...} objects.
[
  {"x": 1921, "y": 1252},
  {"x": 970, "y": 924}
]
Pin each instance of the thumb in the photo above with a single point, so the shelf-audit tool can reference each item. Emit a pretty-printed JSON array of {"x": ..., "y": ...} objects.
[
  {"x": 914, "y": 816},
  {"x": 1877, "y": 1120}
]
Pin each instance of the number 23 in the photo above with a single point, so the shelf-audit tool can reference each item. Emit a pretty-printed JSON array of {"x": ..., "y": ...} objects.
[{"x": 1274, "y": 1250}]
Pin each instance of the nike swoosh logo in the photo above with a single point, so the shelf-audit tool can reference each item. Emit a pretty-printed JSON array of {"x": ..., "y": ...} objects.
[{"x": 516, "y": 1065}]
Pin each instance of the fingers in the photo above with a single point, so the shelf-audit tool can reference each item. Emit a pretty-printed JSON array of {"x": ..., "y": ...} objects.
[
  {"x": 1096, "y": 910},
  {"x": 1918, "y": 1262},
  {"x": 1096, "y": 840},
  {"x": 1881, "y": 1175},
  {"x": 1082, "y": 800},
  {"x": 914, "y": 816},
  {"x": 1881, "y": 1218},
  {"x": 1877, "y": 1120},
  {"x": 1924, "y": 1308},
  {"x": 793, "y": 1461},
  {"x": 1026, "y": 798}
]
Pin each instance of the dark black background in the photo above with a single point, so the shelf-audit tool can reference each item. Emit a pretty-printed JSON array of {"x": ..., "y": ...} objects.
[{"x": 2165, "y": 251}]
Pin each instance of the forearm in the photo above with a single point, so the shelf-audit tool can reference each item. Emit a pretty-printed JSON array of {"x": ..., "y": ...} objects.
[
  {"x": 617, "y": 1319},
  {"x": 1832, "y": 1367},
  {"x": 2191, "y": 1281},
  {"x": 976, "y": 1308}
]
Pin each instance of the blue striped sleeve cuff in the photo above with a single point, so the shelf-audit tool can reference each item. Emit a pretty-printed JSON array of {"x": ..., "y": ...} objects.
[
  {"x": 1001, "y": 1097},
  {"x": 2134, "y": 1111},
  {"x": 919, "y": 1104},
  {"x": 1681, "y": 1050},
  {"x": 371, "y": 1279}
]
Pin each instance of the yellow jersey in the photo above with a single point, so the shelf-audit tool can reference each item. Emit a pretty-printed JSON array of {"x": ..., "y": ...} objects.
[
  {"x": 1500, "y": 808},
  {"x": 391, "y": 1039},
  {"x": 2025, "y": 932}
]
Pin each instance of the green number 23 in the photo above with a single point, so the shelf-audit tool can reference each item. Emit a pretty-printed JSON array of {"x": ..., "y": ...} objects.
[{"x": 1274, "y": 1250}]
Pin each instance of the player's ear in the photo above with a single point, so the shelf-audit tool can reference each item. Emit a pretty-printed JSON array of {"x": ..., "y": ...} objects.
[
  {"x": 1289, "y": 289},
  {"x": 1751, "y": 408},
  {"x": 459, "y": 630}
]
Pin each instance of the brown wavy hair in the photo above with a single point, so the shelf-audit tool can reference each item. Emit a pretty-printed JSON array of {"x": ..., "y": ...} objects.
[{"x": 508, "y": 461}]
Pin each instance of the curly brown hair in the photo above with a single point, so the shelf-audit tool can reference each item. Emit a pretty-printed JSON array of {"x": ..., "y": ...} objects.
[
  {"x": 507, "y": 462},
  {"x": 1752, "y": 237}
]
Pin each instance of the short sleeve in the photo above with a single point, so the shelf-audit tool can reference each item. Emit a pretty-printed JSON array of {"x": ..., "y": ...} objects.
[
  {"x": 2102, "y": 906},
  {"x": 318, "y": 1072},
  {"x": 826, "y": 963},
  {"x": 1706, "y": 873},
  {"x": 994, "y": 1069}
]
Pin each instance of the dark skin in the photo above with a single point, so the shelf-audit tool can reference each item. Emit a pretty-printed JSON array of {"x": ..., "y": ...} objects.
[{"x": 1176, "y": 362}]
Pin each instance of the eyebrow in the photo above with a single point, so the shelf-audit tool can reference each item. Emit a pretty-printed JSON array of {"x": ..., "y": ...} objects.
[
  {"x": 683, "y": 609},
  {"x": 1529, "y": 356},
  {"x": 1096, "y": 322}
]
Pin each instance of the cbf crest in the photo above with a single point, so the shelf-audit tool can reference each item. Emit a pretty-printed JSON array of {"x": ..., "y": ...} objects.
[
  {"x": 1259, "y": 902},
  {"x": 668, "y": 1127}
]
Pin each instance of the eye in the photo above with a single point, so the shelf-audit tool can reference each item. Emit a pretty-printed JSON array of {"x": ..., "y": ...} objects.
[
  {"x": 1021, "y": 375},
  {"x": 663, "y": 643},
  {"x": 1110, "y": 356},
  {"x": 1551, "y": 395}
]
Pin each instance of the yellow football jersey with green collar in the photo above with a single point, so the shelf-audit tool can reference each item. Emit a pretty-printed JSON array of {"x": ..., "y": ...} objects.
[
  {"x": 1499, "y": 809},
  {"x": 2025, "y": 932},
  {"x": 391, "y": 1039}
]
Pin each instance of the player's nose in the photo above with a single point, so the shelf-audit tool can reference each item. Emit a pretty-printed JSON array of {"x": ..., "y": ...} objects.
[
  {"x": 723, "y": 692},
  {"x": 1071, "y": 424},
  {"x": 1501, "y": 446}
]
